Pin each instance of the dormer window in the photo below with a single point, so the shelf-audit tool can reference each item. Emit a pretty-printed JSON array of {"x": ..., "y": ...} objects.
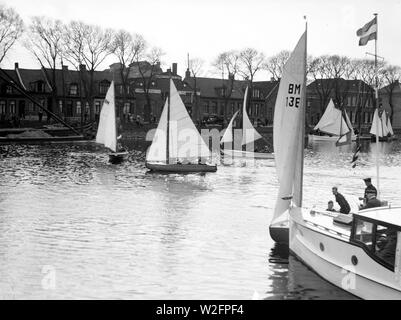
[
  {"x": 256, "y": 93},
  {"x": 9, "y": 89},
  {"x": 73, "y": 89}
]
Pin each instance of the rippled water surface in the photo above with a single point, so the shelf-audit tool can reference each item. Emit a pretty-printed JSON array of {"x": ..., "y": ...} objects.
[{"x": 74, "y": 226}]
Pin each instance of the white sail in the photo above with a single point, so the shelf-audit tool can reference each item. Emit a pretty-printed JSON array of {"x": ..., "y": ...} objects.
[
  {"x": 249, "y": 134},
  {"x": 106, "y": 131},
  {"x": 385, "y": 122},
  {"x": 379, "y": 126},
  {"x": 157, "y": 152},
  {"x": 348, "y": 121},
  {"x": 389, "y": 126},
  {"x": 228, "y": 133},
  {"x": 288, "y": 128},
  {"x": 332, "y": 121}
]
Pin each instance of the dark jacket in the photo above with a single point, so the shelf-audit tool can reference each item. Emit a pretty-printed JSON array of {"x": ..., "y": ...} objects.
[
  {"x": 344, "y": 205},
  {"x": 370, "y": 190}
]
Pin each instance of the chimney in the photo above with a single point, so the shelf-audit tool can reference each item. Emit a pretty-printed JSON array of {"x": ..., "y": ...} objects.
[
  {"x": 187, "y": 74},
  {"x": 16, "y": 65},
  {"x": 65, "y": 68},
  {"x": 174, "y": 68}
]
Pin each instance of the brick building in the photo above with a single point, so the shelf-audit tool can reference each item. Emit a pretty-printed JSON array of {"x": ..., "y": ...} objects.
[{"x": 391, "y": 100}]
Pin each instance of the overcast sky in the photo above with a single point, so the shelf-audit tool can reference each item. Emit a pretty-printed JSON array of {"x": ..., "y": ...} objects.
[{"x": 204, "y": 28}]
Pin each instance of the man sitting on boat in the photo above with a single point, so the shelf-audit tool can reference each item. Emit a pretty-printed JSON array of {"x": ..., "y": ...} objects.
[
  {"x": 344, "y": 205},
  {"x": 369, "y": 190},
  {"x": 371, "y": 202},
  {"x": 330, "y": 206}
]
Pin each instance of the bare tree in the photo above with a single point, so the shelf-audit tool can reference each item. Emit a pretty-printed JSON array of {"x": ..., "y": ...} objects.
[
  {"x": 126, "y": 47},
  {"x": 392, "y": 76},
  {"x": 148, "y": 70},
  {"x": 87, "y": 45},
  {"x": 228, "y": 65},
  {"x": 320, "y": 73},
  {"x": 11, "y": 28},
  {"x": 196, "y": 68},
  {"x": 44, "y": 41},
  {"x": 275, "y": 64}
]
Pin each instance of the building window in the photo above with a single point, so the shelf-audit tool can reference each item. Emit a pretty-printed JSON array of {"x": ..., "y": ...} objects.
[
  {"x": 232, "y": 108},
  {"x": 214, "y": 107},
  {"x": 78, "y": 107},
  {"x": 9, "y": 89},
  {"x": 40, "y": 87},
  {"x": 13, "y": 107},
  {"x": 97, "y": 107},
  {"x": 2, "y": 107},
  {"x": 60, "y": 106},
  {"x": 104, "y": 86},
  {"x": 257, "y": 109},
  {"x": 206, "y": 106},
  {"x": 126, "y": 108},
  {"x": 73, "y": 89},
  {"x": 256, "y": 93}
]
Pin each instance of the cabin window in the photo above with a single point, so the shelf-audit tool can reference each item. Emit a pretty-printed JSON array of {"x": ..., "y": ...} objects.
[
  {"x": 2, "y": 107},
  {"x": 386, "y": 244},
  {"x": 364, "y": 233}
]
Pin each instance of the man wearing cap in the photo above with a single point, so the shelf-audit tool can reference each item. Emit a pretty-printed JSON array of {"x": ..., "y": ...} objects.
[
  {"x": 344, "y": 205},
  {"x": 369, "y": 190}
]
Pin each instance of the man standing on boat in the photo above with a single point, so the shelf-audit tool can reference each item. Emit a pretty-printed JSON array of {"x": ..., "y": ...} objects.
[
  {"x": 344, "y": 205},
  {"x": 369, "y": 190}
]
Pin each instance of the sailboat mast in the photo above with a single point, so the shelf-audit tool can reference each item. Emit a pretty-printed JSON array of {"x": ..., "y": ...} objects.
[
  {"x": 302, "y": 144},
  {"x": 168, "y": 125},
  {"x": 377, "y": 108}
]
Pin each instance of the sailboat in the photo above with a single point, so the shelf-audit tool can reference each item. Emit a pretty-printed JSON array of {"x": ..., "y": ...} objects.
[
  {"x": 177, "y": 145},
  {"x": 107, "y": 129},
  {"x": 249, "y": 135},
  {"x": 333, "y": 124},
  {"x": 359, "y": 252},
  {"x": 381, "y": 126}
]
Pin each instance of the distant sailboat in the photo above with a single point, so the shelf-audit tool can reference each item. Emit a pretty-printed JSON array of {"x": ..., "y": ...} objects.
[
  {"x": 107, "y": 129},
  {"x": 334, "y": 124},
  {"x": 177, "y": 145},
  {"x": 381, "y": 126},
  {"x": 249, "y": 135}
]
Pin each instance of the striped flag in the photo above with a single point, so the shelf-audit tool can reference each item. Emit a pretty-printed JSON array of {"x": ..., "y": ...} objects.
[
  {"x": 367, "y": 32},
  {"x": 356, "y": 155}
]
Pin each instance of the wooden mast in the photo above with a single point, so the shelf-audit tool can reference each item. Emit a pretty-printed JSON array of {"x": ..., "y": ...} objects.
[{"x": 168, "y": 125}]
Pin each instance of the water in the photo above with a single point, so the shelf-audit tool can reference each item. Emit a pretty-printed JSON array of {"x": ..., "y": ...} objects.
[{"x": 73, "y": 226}]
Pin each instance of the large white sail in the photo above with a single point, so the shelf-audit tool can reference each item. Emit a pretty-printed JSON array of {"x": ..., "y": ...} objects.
[
  {"x": 157, "y": 152},
  {"x": 288, "y": 128},
  {"x": 332, "y": 121},
  {"x": 389, "y": 126},
  {"x": 106, "y": 131},
  {"x": 249, "y": 134},
  {"x": 228, "y": 133}
]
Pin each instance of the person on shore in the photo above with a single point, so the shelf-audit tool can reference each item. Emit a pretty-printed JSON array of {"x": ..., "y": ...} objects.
[
  {"x": 340, "y": 199},
  {"x": 369, "y": 190},
  {"x": 330, "y": 206}
]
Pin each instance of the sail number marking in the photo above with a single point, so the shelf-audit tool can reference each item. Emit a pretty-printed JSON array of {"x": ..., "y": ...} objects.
[{"x": 293, "y": 101}]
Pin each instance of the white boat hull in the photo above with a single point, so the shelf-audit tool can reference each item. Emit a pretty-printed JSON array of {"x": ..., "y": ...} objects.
[
  {"x": 247, "y": 154},
  {"x": 312, "y": 137},
  {"x": 330, "y": 256},
  {"x": 180, "y": 168}
]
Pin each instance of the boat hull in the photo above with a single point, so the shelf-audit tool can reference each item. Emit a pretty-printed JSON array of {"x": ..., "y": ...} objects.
[
  {"x": 382, "y": 139},
  {"x": 312, "y": 137},
  {"x": 180, "y": 168},
  {"x": 332, "y": 258},
  {"x": 117, "y": 157},
  {"x": 280, "y": 234},
  {"x": 247, "y": 154}
]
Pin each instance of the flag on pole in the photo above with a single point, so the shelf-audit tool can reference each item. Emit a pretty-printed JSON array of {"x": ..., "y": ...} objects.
[
  {"x": 367, "y": 32},
  {"x": 356, "y": 155}
]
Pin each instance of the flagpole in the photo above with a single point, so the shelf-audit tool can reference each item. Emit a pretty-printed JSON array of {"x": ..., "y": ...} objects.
[{"x": 377, "y": 108}]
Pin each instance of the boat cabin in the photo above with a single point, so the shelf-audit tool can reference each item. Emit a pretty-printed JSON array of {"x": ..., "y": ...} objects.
[{"x": 377, "y": 231}]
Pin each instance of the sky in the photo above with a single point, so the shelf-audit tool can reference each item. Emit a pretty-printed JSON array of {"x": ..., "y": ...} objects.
[{"x": 205, "y": 28}]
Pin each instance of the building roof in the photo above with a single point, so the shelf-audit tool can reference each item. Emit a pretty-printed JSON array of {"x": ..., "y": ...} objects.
[{"x": 343, "y": 84}]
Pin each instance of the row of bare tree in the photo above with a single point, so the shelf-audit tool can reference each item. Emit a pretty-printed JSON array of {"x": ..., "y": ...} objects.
[{"x": 53, "y": 43}]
